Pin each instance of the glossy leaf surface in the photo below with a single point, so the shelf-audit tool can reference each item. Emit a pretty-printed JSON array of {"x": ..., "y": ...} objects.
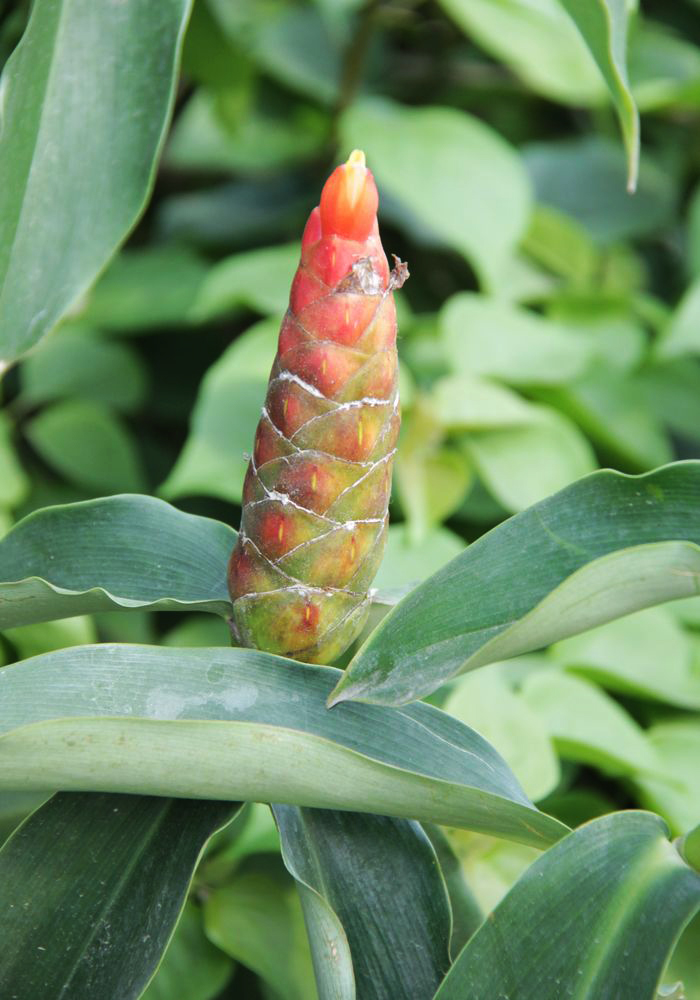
[
  {"x": 596, "y": 916},
  {"x": 375, "y": 903},
  {"x": 239, "y": 724},
  {"x": 605, "y": 546},
  {"x": 67, "y": 203},
  {"x": 117, "y": 553},
  {"x": 117, "y": 869}
]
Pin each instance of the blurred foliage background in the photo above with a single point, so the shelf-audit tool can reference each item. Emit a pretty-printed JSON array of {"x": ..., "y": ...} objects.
[{"x": 551, "y": 326}]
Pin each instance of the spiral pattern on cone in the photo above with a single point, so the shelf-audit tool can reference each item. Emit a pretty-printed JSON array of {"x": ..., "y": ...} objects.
[{"x": 317, "y": 488}]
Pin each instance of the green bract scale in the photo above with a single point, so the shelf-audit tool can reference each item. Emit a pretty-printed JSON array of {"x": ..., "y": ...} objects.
[{"x": 317, "y": 488}]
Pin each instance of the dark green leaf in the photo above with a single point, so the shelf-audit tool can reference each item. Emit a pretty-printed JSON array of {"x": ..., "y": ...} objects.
[
  {"x": 603, "y": 25},
  {"x": 88, "y": 445},
  {"x": 116, "y": 869},
  {"x": 374, "y": 900},
  {"x": 113, "y": 554},
  {"x": 595, "y": 916},
  {"x": 604, "y": 547},
  {"x": 237, "y": 723},
  {"x": 78, "y": 149},
  {"x": 77, "y": 362}
]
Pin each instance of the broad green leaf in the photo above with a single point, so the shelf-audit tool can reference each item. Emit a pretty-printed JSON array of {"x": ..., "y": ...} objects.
[
  {"x": 67, "y": 203},
  {"x": 677, "y": 797},
  {"x": 258, "y": 279},
  {"x": 602, "y": 548},
  {"x": 460, "y": 402},
  {"x": 224, "y": 419},
  {"x": 144, "y": 289},
  {"x": 191, "y": 967},
  {"x": 118, "y": 553},
  {"x": 75, "y": 362},
  {"x": 459, "y": 179},
  {"x": 585, "y": 178},
  {"x": 603, "y": 26},
  {"x": 88, "y": 445},
  {"x": 406, "y": 562},
  {"x": 14, "y": 484},
  {"x": 522, "y": 465},
  {"x": 484, "y": 701},
  {"x": 613, "y": 412},
  {"x": 237, "y": 723},
  {"x": 488, "y": 338},
  {"x": 256, "y": 918},
  {"x": 671, "y": 392},
  {"x": 537, "y": 40},
  {"x": 595, "y": 916},
  {"x": 117, "y": 869},
  {"x": 682, "y": 336},
  {"x": 588, "y": 726},
  {"x": 374, "y": 900},
  {"x": 646, "y": 655}
]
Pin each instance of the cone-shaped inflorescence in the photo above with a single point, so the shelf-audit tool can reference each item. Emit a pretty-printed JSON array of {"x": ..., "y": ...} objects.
[{"x": 317, "y": 488}]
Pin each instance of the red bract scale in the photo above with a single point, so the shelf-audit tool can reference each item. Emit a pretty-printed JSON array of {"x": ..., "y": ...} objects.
[{"x": 317, "y": 488}]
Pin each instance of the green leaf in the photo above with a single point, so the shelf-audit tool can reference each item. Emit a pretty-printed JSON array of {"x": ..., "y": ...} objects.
[
  {"x": 588, "y": 726},
  {"x": 484, "y": 701},
  {"x": 88, "y": 445},
  {"x": 488, "y": 338},
  {"x": 646, "y": 655},
  {"x": 224, "y": 419},
  {"x": 595, "y": 916},
  {"x": 374, "y": 900},
  {"x": 237, "y": 723},
  {"x": 75, "y": 362},
  {"x": 612, "y": 411},
  {"x": 522, "y": 465},
  {"x": 118, "y": 553},
  {"x": 256, "y": 918},
  {"x": 191, "y": 967},
  {"x": 677, "y": 796},
  {"x": 460, "y": 402},
  {"x": 146, "y": 289},
  {"x": 603, "y": 26},
  {"x": 585, "y": 178},
  {"x": 14, "y": 484},
  {"x": 682, "y": 336},
  {"x": 62, "y": 215},
  {"x": 258, "y": 279},
  {"x": 117, "y": 869},
  {"x": 604, "y": 547},
  {"x": 536, "y": 40},
  {"x": 460, "y": 180}
]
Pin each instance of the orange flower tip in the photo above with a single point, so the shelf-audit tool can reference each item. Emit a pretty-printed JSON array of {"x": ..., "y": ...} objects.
[{"x": 349, "y": 200}]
